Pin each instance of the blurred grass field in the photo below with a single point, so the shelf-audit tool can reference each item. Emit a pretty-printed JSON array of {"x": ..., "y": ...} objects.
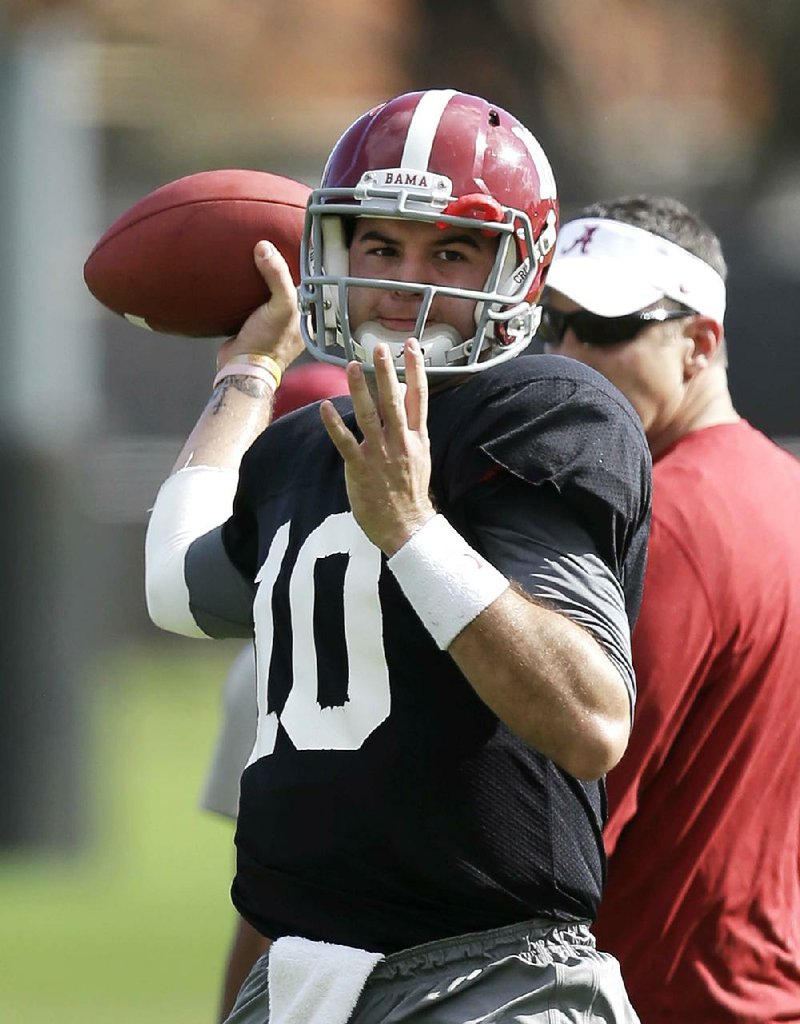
[{"x": 134, "y": 926}]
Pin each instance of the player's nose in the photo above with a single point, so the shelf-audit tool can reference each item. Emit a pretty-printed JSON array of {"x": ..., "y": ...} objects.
[{"x": 410, "y": 270}]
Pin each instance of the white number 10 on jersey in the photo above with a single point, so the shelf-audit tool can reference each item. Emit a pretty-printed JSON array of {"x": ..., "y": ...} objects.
[{"x": 309, "y": 725}]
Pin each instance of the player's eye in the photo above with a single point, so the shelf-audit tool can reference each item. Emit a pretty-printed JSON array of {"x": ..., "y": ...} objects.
[
  {"x": 451, "y": 255},
  {"x": 384, "y": 251}
]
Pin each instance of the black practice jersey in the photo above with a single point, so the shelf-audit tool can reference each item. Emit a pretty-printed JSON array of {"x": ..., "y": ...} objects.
[{"x": 385, "y": 805}]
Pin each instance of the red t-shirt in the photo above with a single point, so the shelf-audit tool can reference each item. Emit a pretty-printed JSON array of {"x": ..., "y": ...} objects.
[{"x": 702, "y": 905}]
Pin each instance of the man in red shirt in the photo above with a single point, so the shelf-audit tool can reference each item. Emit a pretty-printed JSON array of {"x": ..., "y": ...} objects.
[{"x": 702, "y": 903}]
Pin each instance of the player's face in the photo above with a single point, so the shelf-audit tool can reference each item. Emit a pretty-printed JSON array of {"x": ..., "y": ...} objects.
[
  {"x": 413, "y": 251},
  {"x": 649, "y": 369}
]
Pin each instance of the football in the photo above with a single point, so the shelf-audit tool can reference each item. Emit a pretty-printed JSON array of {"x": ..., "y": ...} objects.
[{"x": 180, "y": 260}]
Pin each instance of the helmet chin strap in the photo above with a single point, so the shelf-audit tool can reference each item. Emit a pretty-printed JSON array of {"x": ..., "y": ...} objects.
[{"x": 441, "y": 344}]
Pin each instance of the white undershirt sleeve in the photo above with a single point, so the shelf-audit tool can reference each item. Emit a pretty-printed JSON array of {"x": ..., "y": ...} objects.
[{"x": 189, "y": 504}]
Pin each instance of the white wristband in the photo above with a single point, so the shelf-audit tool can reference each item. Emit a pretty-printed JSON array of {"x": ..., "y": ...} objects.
[{"x": 446, "y": 582}]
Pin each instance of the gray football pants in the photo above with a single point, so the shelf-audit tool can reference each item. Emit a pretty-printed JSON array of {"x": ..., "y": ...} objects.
[{"x": 531, "y": 973}]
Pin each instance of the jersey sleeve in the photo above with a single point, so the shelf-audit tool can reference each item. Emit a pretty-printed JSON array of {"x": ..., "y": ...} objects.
[
  {"x": 220, "y": 567},
  {"x": 673, "y": 642},
  {"x": 560, "y": 425},
  {"x": 529, "y": 535},
  {"x": 220, "y": 596}
]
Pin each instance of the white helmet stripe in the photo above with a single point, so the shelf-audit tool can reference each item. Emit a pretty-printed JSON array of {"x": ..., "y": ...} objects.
[
  {"x": 547, "y": 182},
  {"x": 422, "y": 129}
]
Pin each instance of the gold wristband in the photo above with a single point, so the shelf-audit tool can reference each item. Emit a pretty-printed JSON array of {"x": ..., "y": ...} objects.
[{"x": 259, "y": 359}]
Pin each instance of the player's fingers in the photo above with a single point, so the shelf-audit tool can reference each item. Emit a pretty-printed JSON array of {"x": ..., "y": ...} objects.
[
  {"x": 338, "y": 432},
  {"x": 390, "y": 392},
  {"x": 274, "y": 328},
  {"x": 416, "y": 397},
  {"x": 275, "y": 271},
  {"x": 367, "y": 416}
]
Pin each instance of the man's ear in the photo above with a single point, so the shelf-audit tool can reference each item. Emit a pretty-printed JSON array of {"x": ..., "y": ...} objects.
[{"x": 706, "y": 335}]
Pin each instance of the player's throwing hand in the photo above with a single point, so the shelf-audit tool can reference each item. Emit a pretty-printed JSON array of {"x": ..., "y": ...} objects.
[{"x": 273, "y": 328}]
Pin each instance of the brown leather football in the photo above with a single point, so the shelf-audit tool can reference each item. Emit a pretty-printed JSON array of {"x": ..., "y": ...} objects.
[{"x": 180, "y": 260}]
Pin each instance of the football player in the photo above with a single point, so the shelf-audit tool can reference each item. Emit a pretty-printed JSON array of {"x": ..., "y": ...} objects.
[{"x": 440, "y": 577}]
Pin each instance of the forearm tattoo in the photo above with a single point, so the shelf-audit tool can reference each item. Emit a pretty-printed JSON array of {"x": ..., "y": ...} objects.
[{"x": 252, "y": 386}]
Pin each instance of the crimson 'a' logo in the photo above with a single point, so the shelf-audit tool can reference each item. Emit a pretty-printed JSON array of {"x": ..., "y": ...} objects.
[{"x": 583, "y": 241}]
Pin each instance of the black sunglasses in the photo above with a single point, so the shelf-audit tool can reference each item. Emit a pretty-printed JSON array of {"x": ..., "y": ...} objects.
[{"x": 601, "y": 330}]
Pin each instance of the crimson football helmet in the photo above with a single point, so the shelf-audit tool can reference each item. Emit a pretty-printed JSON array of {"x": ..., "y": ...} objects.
[{"x": 451, "y": 159}]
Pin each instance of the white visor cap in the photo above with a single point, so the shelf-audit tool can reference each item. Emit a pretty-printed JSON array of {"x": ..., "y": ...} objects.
[{"x": 613, "y": 269}]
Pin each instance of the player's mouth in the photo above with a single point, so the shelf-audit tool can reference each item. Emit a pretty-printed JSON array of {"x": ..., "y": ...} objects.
[{"x": 402, "y": 324}]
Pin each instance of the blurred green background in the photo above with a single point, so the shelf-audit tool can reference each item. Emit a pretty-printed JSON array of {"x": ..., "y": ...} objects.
[
  {"x": 134, "y": 926},
  {"x": 114, "y": 886}
]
